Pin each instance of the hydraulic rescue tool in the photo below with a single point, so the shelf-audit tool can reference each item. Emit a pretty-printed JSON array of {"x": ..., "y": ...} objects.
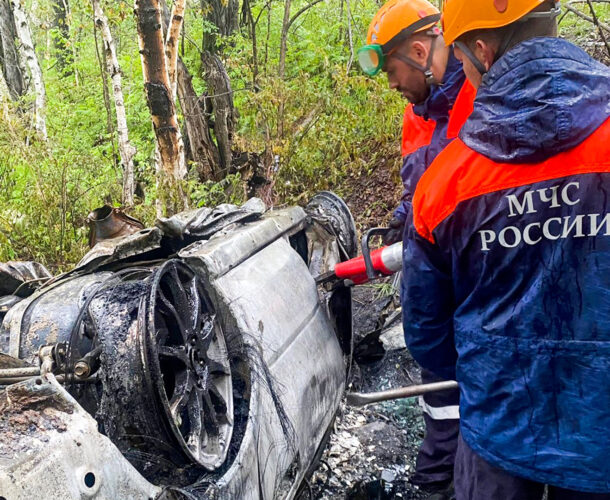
[{"x": 384, "y": 261}]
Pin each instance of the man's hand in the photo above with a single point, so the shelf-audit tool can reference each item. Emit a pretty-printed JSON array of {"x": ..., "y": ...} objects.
[{"x": 394, "y": 235}]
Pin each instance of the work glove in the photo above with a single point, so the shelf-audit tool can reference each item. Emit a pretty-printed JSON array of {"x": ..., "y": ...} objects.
[{"x": 396, "y": 228}]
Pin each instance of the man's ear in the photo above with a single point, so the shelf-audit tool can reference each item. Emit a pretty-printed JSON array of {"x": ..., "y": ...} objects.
[
  {"x": 485, "y": 52},
  {"x": 419, "y": 52}
]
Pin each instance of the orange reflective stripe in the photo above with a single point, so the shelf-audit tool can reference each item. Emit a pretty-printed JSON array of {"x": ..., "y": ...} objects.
[
  {"x": 462, "y": 107},
  {"x": 416, "y": 132},
  {"x": 458, "y": 173}
]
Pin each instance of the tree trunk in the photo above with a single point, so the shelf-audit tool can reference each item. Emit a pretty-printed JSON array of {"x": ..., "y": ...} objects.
[
  {"x": 5, "y": 93},
  {"x": 350, "y": 37},
  {"x": 282, "y": 66},
  {"x": 27, "y": 47},
  {"x": 171, "y": 43},
  {"x": 249, "y": 19},
  {"x": 12, "y": 70},
  {"x": 159, "y": 93},
  {"x": 126, "y": 150},
  {"x": 103, "y": 74},
  {"x": 268, "y": 33},
  {"x": 224, "y": 14},
  {"x": 65, "y": 61},
  {"x": 283, "y": 39},
  {"x": 203, "y": 150},
  {"x": 221, "y": 97}
]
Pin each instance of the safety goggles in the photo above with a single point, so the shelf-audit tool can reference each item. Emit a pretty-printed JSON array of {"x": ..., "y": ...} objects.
[{"x": 372, "y": 57}]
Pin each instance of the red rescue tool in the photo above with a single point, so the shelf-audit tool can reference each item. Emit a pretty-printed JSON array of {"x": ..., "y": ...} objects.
[{"x": 384, "y": 260}]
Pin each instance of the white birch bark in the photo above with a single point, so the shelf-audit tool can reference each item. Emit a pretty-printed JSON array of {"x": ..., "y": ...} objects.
[
  {"x": 171, "y": 42},
  {"x": 5, "y": 96},
  {"x": 4, "y": 93},
  {"x": 27, "y": 48},
  {"x": 126, "y": 149}
]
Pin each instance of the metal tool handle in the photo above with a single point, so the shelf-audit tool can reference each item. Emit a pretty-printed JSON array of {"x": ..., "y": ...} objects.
[
  {"x": 361, "y": 398},
  {"x": 366, "y": 250}
]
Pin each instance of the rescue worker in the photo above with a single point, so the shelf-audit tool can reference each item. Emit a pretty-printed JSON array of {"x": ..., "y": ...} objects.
[
  {"x": 404, "y": 41},
  {"x": 506, "y": 266}
]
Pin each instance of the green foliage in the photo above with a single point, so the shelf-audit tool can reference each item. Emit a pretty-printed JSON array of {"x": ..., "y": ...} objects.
[
  {"x": 324, "y": 121},
  {"x": 334, "y": 117},
  {"x": 383, "y": 290},
  {"x": 209, "y": 193},
  {"x": 46, "y": 195}
]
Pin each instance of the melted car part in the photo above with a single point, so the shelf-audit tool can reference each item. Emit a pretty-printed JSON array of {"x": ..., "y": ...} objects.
[
  {"x": 21, "y": 278},
  {"x": 287, "y": 369},
  {"x": 51, "y": 448},
  {"x": 164, "y": 353},
  {"x": 331, "y": 211}
]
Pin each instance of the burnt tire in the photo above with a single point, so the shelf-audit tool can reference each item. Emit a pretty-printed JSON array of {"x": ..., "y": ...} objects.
[
  {"x": 187, "y": 363},
  {"x": 165, "y": 383}
]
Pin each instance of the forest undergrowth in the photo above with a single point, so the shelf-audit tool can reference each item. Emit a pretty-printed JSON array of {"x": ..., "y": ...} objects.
[{"x": 312, "y": 122}]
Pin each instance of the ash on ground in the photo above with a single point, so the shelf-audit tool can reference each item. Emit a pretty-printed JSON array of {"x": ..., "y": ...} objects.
[{"x": 371, "y": 452}]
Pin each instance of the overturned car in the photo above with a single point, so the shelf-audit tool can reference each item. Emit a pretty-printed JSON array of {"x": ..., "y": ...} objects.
[{"x": 195, "y": 359}]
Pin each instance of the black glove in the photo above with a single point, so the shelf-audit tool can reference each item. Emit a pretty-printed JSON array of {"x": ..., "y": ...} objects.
[{"x": 396, "y": 228}]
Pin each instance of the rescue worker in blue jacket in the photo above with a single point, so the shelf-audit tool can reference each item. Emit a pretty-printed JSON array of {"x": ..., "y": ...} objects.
[
  {"x": 506, "y": 266},
  {"x": 404, "y": 41}
]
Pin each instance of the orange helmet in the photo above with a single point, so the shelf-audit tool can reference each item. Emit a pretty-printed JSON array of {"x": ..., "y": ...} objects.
[
  {"x": 398, "y": 15},
  {"x": 396, "y": 21},
  {"x": 461, "y": 16}
]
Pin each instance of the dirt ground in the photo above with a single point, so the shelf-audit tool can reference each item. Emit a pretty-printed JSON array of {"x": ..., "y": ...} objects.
[
  {"x": 371, "y": 453},
  {"x": 372, "y": 196}
]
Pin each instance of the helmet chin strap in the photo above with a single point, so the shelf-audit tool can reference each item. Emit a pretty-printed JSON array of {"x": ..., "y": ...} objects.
[
  {"x": 469, "y": 54},
  {"x": 427, "y": 69}
]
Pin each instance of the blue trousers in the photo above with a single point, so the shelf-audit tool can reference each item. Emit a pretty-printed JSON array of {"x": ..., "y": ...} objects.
[{"x": 436, "y": 456}]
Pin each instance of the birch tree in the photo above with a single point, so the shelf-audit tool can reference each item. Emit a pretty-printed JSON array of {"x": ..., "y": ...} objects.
[
  {"x": 126, "y": 150},
  {"x": 24, "y": 35},
  {"x": 12, "y": 70},
  {"x": 159, "y": 96},
  {"x": 171, "y": 43}
]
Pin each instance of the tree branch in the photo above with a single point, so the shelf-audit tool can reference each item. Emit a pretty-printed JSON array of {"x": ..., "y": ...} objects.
[
  {"x": 300, "y": 11},
  {"x": 587, "y": 18},
  {"x": 598, "y": 24},
  {"x": 266, "y": 6}
]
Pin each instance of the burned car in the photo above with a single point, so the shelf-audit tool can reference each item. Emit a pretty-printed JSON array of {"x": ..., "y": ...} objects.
[{"x": 195, "y": 359}]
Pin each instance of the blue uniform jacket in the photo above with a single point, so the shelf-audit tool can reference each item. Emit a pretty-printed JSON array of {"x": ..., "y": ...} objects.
[
  {"x": 436, "y": 107},
  {"x": 506, "y": 283}
]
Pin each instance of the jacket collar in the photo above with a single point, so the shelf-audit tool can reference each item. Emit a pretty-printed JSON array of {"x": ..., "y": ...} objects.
[{"x": 442, "y": 96}]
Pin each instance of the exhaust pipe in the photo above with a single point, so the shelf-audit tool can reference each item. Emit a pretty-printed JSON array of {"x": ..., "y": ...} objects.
[{"x": 106, "y": 223}]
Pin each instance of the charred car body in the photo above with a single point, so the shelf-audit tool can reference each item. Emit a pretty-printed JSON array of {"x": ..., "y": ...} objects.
[{"x": 195, "y": 359}]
